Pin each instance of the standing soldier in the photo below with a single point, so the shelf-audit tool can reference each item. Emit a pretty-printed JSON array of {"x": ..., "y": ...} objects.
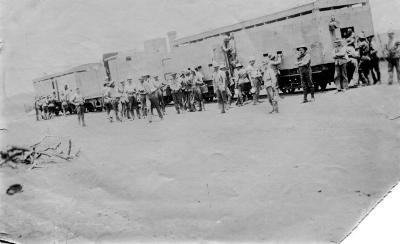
[
  {"x": 182, "y": 81},
  {"x": 275, "y": 63},
  {"x": 340, "y": 57},
  {"x": 373, "y": 50},
  {"x": 176, "y": 91},
  {"x": 115, "y": 96},
  {"x": 79, "y": 101},
  {"x": 132, "y": 100},
  {"x": 352, "y": 64},
  {"x": 123, "y": 99},
  {"x": 36, "y": 106},
  {"x": 142, "y": 96},
  {"x": 219, "y": 83},
  {"x": 198, "y": 83},
  {"x": 304, "y": 65},
  {"x": 255, "y": 78},
  {"x": 364, "y": 65},
  {"x": 241, "y": 82},
  {"x": 64, "y": 103},
  {"x": 203, "y": 88},
  {"x": 160, "y": 92},
  {"x": 271, "y": 85},
  {"x": 189, "y": 91},
  {"x": 107, "y": 100},
  {"x": 151, "y": 97},
  {"x": 392, "y": 54}
]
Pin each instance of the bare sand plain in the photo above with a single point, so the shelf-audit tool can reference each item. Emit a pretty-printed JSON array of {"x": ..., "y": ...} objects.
[{"x": 306, "y": 175}]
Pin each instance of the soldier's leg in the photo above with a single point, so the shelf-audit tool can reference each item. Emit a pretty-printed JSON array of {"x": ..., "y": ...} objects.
[
  {"x": 175, "y": 99},
  {"x": 161, "y": 99},
  {"x": 397, "y": 66},
  {"x": 129, "y": 110},
  {"x": 344, "y": 76},
  {"x": 115, "y": 107},
  {"x": 337, "y": 77},
  {"x": 83, "y": 116},
  {"x": 270, "y": 95},
  {"x": 310, "y": 83},
  {"x": 303, "y": 86},
  {"x": 377, "y": 70},
  {"x": 156, "y": 103}
]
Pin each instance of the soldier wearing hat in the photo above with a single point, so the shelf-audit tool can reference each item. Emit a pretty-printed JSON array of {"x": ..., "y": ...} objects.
[
  {"x": 219, "y": 84},
  {"x": 352, "y": 64},
  {"x": 176, "y": 92},
  {"x": 271, "y": 85},
  {"x": 150, "y": 90},
  {"x": 304, "y": 65},
  {"x": 188, "y": 91},
  {"x": 78, "y": 100},
  {"x": 132, "y": 100},
  {"x": 198, "y": 83},
  {"x": 142, "y": 95},
  {"x": 107, "y": 100},
  {"x": 341, "y": 59},
  {"x": 365, "y": 59},
  {"x": 123, "y": 101},
  {"x": 392, "y": 54},
  {"x": 240, "y": 78},
  {"x": 160, "y": 92},
  {"x": 255, "y": 77},
  {"x": 373, "y": 51}
]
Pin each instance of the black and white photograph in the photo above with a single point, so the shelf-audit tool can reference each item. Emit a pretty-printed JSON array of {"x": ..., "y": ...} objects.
[{"x": 199, "y": 121}]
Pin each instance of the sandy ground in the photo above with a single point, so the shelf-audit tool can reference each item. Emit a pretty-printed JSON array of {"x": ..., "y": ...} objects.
[{"x": 308, "y": 174}]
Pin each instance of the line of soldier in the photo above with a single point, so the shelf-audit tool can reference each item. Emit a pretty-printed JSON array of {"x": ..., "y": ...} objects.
[
  {"x": 356, "y": 58},
  {"x": 45, "y": 106},
  {"x": 124, "y": 100}
]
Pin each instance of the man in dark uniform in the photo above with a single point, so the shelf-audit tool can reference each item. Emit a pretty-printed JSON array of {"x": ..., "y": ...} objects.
[
  {"x": 304, "y": 65},
  {"x": 176, "y": 92},
  {"x": 373, "y": 51},
  {"x": 365, "y": 59}
]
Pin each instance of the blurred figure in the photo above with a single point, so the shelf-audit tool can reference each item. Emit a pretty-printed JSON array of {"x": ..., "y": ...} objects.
[
  {"x": 142, "y": 96},
  {"x": 275, "y": 63},
  {"x": 123, "y": 100},
  {"x": 152, "y": 98},
  {"x": 241, "y": 81},
  {"x": 189, "y": 98},
  {"x": 36, "y": 106},
  {"x": 271, "y": 85},
  {"x": 352, "y": 64},
  {"x": 79, "y": 102},
  {"x": 160, "y": 92},
  {"x": 340, "y": 57},
  {"x": 132, "y": 100},
  {"x": 115, "y": 97},
  {"x": 176, "y": 92},
  {"x": 107, "y": 100},
  {"x": 373, "y": 51},
  {"x": 45, "y": 105},
  {"x": 255, "y": 78},
  {"x": 64, "y": 103},
  {"x": 392, "y": 54},
  {"x": 304, "y": 65},
  {"x": 365, "y": 59},
  {"x": 219, "y": 83},
  {"x": 198, "y": 83}
]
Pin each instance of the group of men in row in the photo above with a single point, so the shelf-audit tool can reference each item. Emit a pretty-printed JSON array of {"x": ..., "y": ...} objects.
[
  {"x": 124, "y": 100},
  {"x": 45, "y": 106},
  {"x": 356, "y": 58}
]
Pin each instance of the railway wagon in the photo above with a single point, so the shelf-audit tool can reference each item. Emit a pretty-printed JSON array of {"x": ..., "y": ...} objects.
[
  {"x": 87, "y": 77},
  {"x": 283, "y": 31}
]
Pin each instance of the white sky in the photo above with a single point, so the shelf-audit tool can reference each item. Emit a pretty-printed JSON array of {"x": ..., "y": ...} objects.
[{"x": 53, "y": 35}]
